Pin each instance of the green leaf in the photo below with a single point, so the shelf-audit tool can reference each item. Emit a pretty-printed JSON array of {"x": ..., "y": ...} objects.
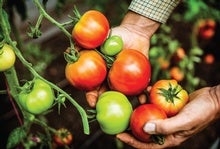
[{"x": 15, "y": 137}]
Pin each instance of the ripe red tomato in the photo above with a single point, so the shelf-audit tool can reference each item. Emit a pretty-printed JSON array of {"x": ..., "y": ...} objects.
[
  {"x": 91, "y": 30},
  {"x": 141, "y": 115},
  {"x": 63, "y": 137},
  {"x": 88, "y": 72},
  {"x": 130, "y": 72},
  {"x": 169, "y": 96}
]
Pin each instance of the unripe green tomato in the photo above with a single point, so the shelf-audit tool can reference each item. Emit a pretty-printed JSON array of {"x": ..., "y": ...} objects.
[
  {"x": 7, "y": 57},
  {"x": 113, "y": 112},
  {"x": 112, "y": 46},
  {"x": 39, "y": 99}
]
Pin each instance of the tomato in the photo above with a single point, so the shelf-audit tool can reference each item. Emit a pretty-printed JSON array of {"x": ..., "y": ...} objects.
[
  {"x": 141, "y": 115},
  {"x": 209, "y": 59},
  {"x": 130, "y": 73},
  {"x": 179, "y": 55},
  {"x": 112, "y": 46},
  {"x": 63, "y": 137},
  {"x": 7, "y": 57},
  {"x": 113, "y": 112},
  {"x": 88, "y": 72},
  {"x": 36, "y": 96},
  {"x": 91, "y": 30},
  {"x": 206, "y": 28},
  {"x": 176, "y": 73},
  {"x": 169, "y": 96}
]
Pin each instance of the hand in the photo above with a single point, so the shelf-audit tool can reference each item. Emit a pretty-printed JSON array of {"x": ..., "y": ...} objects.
[
  {"x": 203, "y": 109},
  {"x": 135, "y": 31}
]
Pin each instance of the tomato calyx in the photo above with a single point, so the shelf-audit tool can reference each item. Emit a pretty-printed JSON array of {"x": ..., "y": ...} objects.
[
  {"x": 158, "y": 139},
  {"x": 108, "y": 59},
  {"x": 71, "y": 55},
  {"x": 171, "y": 93},
  {"x": 77, "y": 15}
]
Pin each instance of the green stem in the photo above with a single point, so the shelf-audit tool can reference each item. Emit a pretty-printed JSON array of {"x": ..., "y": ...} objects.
[
  {"x": 44, "y": 13},
  {"x": 12, "y": 84}
]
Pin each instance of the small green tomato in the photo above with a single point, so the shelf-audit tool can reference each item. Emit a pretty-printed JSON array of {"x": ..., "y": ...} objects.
[{"x": 112, "y": 46}]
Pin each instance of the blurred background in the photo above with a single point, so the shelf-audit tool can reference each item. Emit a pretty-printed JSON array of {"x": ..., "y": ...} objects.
[{"x": 186, "y": 48}]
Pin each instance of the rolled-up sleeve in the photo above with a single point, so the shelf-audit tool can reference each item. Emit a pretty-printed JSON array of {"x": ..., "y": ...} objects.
[{"x": 158, "y": 10}]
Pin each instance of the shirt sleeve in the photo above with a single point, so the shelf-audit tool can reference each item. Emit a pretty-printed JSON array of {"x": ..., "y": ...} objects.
[{"x": 158, "y": 10}]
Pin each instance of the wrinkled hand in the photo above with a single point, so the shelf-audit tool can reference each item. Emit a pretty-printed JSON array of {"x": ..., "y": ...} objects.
[{"x": 188, "y": 122}]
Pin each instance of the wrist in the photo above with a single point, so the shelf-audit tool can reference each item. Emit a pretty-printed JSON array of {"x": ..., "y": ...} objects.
[{"x": 139, "y": 24}]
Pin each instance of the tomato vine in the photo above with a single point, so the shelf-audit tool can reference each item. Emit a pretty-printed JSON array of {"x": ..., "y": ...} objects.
[{"x": 13, "y": 80}]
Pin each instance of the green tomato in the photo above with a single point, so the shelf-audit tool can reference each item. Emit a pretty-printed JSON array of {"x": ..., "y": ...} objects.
[
  {"x": 113, "y": 112},
  {"x": 112, "y": 46},
  {"x": 38, "y": 98},
  {"x": 7, "y": 57}
]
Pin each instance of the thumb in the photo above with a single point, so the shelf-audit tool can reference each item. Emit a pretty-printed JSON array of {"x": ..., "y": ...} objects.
[{"x": 166, "y": 126}]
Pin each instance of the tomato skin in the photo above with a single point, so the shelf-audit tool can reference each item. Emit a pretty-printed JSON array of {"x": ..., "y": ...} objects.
[
  {"x": 113, "y": 112},
  {"x": 170, "y": 105},
  {"x": 112, "y": 45},
  {"x": 130, "y": 72},
  {"x": 7, "y": 57},
  {"x": 140, "y": 116},
  {"x": 91, "y": 30},
  {"x": 37, "y": 100},
  {"x": 88, "y": 72},
  {"x": 63, "y": 137}
]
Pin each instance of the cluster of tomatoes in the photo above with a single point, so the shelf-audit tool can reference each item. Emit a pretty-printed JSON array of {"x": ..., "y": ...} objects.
[
  {"x": 130, "y": 70},
  {"x": 129, "y": 75}
]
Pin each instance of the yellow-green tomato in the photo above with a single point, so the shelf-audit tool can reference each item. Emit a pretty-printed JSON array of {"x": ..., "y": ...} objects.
[
  {"x": 7, "y": 57},
  {"x": 113, "y": 112},
  {"x": 38, "y": 98},
  {"x": 112, "y": 45}
]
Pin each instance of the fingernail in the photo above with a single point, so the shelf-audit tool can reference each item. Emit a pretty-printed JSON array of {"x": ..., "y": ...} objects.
[{"x": 150, "y": 128}]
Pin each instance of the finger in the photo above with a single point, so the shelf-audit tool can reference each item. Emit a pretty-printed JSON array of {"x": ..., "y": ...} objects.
[
  {"x": 91, "y": 97},
  {"x": 132, "y": 141},
  {"x": 142, "y": 98}
]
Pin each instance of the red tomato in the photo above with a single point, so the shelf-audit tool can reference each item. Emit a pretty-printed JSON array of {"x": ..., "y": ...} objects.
[
  {"x": 130, "y": 72},
  {"x": 169, "y": 96},
  {"x": 140, "y": 116},
  {"x": 91, "y": 30},
  {"x": 63, "y": 137},
  {"x": 88, "y": 72}
]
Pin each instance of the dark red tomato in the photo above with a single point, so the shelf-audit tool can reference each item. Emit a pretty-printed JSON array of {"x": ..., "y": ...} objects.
[
  {"x": 88, "y": 72},
  {"x": 130, "y": 72},
  {"x": 140, "y": 116},
  {"x": 91, "y": 30}
]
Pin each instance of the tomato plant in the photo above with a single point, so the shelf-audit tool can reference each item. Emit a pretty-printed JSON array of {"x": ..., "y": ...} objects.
[
  {"x": 141, "y": 115},
  {"x": 113, "y": 112},
  {"x": 36, "y": 97},
  {"x": 88, "y": 72},
  {"x": 112, "y": 45},
  {"x": 130, "y": 72},
  {"x": 7, "y": 57},
  {"x": 91, "y": 30},
  {"x": 63, "y": 137},
  {"x": 169, "y": 96}
]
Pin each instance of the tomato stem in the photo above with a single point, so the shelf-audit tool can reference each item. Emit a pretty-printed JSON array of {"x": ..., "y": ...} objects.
[
  {"x": 170, "y": 93},
  {"x": 158, "y": 139}
]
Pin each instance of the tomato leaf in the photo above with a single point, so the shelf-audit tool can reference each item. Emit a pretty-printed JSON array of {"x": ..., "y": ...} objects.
[{"x": 15, "y": 137}]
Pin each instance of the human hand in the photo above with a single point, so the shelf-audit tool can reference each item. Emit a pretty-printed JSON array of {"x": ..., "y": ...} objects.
[
  {"x": 135, "y": 31},
  {"x": 203, "y": 109}
]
